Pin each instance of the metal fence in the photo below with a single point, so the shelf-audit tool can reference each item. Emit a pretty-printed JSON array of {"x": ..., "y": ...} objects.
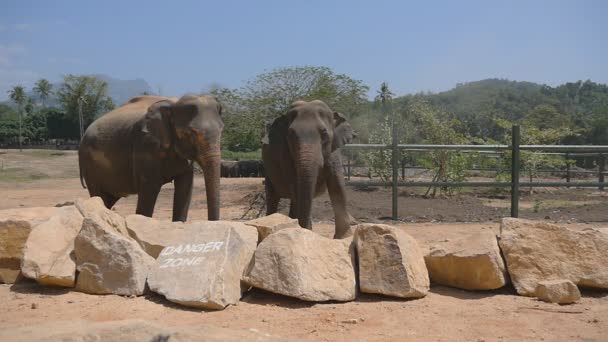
[{"x": 514, "y": 184}]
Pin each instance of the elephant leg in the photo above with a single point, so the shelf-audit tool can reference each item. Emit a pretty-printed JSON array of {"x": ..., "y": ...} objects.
[
  {"x": 337, "y": 194},
  {"x": 146, "y": 198},
  {"x": 293, "y": 209},
  {"x": 272, "y": 199},
  {"x": 109, "y": 200},
  {"x": 182, "y": 195}
]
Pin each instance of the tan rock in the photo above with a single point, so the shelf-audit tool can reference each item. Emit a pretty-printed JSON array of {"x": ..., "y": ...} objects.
[
  {"x": 93, "y": 208},
  {"x": 128, "y": 330},
  {"x": 390, "y": 262},
  {"x": 47, "y": 255},
  {"x": 107, "y": 261},
  {"x": 203, "y": 264},
  {"x": 15, "y": 227},
  {"x": 560, "y": 291},
  {"x": 471, "y": 262},
  {"x": 267, "y": 225},
  {"x": 151, "y": 234},
  {"x": 536, "y": 251},
  {"x": 298, "y": 263}
]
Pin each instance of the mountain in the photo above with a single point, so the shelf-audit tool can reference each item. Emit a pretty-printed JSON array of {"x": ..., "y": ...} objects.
[{"x": 122, "y": 90}]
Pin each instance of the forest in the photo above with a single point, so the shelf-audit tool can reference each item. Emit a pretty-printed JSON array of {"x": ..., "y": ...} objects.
[{"x": 477, "y": 112}]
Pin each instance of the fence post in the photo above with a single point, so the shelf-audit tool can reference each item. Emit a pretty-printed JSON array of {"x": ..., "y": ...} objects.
[
  {"x": 567, "y": 168},
  {"x": 348, "y": 154},
  {"x": 602, "y": 167},
  {"x": 395, "y": 168},
  {"x": 402, "y": 168},
  {"x": 515, "y": 171}
]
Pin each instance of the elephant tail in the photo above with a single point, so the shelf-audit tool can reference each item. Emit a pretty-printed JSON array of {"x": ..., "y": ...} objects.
[{"x": 81, "y": 173}]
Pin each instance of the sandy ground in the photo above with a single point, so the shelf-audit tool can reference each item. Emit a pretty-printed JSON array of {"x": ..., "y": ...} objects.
[{"x": 445, "y": 314}]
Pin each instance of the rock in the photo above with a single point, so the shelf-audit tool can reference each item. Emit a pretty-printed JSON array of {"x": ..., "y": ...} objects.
[
  {"x": 298, "y": 263},
  {"x": 203, "y": 264},
  {"x": 107, "y": 261},
  {"x": 471, "y": 262},
  {"x": 267, "y": 225},
  {"x": 536, "y": 251},
  {"x": 47, "y": 255},
  {"x": 390, "y": 262},
  {"x": 93, "y": 208},
  {"x": 15, "y": 227},
  {"x": 151, "y": 234},
  {"x": 128, "y": 330},
  {"x": 560, "y": 291}
]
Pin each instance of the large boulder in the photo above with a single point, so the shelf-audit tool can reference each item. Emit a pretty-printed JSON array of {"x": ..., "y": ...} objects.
[
  {"x": 94, "y": 209},
  {"x": 151, "y": 234},
  {"x": 472, "y": 262},
  {"x": 267, "y": 225},
  {"x": 15, "y": 228},
  {"x": 128, "y": 330},
  {"x": 298, "y": 263},
  {"x": 47, "y": 255},
  {"x": 108, "y": 261},
  {"x": 390, "y": 262},
  {"x": 536, "y": 251},
  {"x": 559, "y": 291},
  {"x": 203, "y": 263}
]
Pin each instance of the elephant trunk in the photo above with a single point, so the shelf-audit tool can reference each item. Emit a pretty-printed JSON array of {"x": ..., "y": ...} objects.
[
  {"x": 306, "y": 183},
  {"x": 210, "y": 162}
]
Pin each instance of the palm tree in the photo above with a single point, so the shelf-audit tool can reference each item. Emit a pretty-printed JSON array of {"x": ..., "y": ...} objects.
[
  {"x": 43, "y": 89},
  {"x": 17, "y": 95},
  {"x": 384, "y": 94}
]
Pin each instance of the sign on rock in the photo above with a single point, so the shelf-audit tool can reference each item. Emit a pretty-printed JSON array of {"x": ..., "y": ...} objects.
[
  {"x": 202, "y": 264},
  {"x": 201, "y": 248}
]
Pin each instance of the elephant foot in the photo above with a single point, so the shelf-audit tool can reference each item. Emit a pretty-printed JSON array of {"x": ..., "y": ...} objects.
[{"x": 345, "y": 233}]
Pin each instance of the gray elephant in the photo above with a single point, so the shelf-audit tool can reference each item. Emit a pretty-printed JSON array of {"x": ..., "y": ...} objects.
[
  {"x": 302, "y": 159},
  {"x": 151, "y": 141}
]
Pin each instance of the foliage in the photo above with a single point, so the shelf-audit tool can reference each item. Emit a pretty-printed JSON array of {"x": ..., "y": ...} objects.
[
  {"x": 531, "y": 134},
  {"x": 265, "y": 97},
  {"x": 232, "y": 155},
  {"x": 417, "y": 120},
  {"x": 60, "y": 125},
  {"x": 43, "y": 88},
  {"x": 91, "y": 91}
]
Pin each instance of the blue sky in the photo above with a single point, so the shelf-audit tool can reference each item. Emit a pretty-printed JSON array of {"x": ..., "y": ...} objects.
[{"x": 186, "y": 46}]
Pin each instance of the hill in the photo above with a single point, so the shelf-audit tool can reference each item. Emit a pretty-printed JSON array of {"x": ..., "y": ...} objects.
[{"x": 478, "y": 104}]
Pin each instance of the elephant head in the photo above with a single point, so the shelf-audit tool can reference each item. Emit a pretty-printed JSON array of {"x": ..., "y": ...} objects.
[
  {"x": 192, "y": 127},
  {"x": 314, "y": 133}
]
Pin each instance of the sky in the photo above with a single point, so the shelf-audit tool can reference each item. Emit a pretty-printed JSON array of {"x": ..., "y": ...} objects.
[{"x": 188, "y": 46}]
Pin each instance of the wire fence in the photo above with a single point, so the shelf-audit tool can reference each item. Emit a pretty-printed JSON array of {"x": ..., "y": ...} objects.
[{"x": 515, "y": 166}]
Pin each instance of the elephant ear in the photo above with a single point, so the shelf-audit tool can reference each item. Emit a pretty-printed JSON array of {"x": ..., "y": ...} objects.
[
  {"x": 343, "y": 131},
  {"x": 157, "y": 125},
  {"x": 277, "y": 132}
]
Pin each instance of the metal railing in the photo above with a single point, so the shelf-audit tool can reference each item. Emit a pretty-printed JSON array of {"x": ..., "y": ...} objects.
[{"x": 514, "y": 184}]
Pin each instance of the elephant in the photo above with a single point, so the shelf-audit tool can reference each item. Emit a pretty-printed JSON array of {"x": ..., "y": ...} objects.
[
  {"x": 229, "y": 169},
  {"x": 250, "y": 168},
  {"x": 301, "y": 155},
  {"x": 150, "y": 141}
]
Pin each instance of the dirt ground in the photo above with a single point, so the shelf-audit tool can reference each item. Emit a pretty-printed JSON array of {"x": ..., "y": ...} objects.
[{"x": 46, "y": 178}]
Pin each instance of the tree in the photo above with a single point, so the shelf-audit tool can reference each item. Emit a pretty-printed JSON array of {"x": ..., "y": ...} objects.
[
  {"x": 269, "y": 95},
  {"x": 384, "y": 94},
  {"x": 43, "y": 89},
  {"x": 83, "y": 98},
  {"x": 17, "y": 95}
]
